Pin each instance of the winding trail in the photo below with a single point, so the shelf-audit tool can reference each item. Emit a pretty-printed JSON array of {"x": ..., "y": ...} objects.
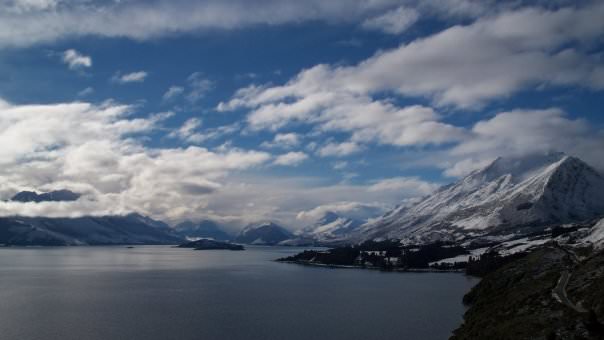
[{"x": 559, "y": 292}]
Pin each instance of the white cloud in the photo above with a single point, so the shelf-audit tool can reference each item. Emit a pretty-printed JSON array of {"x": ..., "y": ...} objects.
[
  {"x": 188, "y": 132},
  {"x": 466, "y": 166},
  {"x": 21, "y": 6},
  {"x": 98, "y": 150},
  {"x": 172, "y": 92},
  {"x": 494, "y": 57},
  {"x": 462, "y": 66},
  {"x": 291, "y": 158},
  {"x": 199, "y": 86},
  {"x": 371, "y": 200},
  {"x": 310, "y": 98},
  {"x": 339, "y": 149},
  {"x": 462, "y": 8},
  {"x": 75, "y": 60},
  {"x": 414, "y": 185},
  {"x": 393, "y": 22},
  {"x": 133, "y": 77},
  {"x": 525, "y": 132},
  {"x": 357, "y": 210},
  {"x": 277, "y": 202},
  {"x": 86, "y": 92},
  {"x": 340, "y": 165},
  {"x": 283, "y": 140},
  {"x": 42, "y": 21}
]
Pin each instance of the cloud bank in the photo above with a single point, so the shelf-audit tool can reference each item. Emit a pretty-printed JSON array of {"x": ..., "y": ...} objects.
[{"x": 99, "y": 150}]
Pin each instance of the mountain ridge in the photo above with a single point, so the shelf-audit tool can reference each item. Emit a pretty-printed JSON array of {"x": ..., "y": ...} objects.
[
  {"x": 104, "y": 230},
  {"x": 508, "y": 193}
]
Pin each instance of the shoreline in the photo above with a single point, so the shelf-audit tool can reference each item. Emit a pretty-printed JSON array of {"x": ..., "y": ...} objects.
[{"x": 398, "y": 270}]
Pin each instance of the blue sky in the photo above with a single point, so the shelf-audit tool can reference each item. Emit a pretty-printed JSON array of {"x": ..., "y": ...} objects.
[{"x": 250, "y": 110}]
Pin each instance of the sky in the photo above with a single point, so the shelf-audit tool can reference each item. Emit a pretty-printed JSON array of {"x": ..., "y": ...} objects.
[{"x": 248, "y": 110}]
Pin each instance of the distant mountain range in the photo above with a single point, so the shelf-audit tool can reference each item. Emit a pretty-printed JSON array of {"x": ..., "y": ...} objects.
[
  {"x": 105, "y": 230},
  {"x": 87, "y": 230},
  {"x": 511, "y": 195}
]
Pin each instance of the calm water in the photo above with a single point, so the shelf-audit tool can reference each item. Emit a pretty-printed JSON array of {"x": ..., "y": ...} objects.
[{"x": 158, "y": 292}]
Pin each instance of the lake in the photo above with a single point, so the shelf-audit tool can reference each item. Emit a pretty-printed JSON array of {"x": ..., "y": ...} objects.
[{"x": 159, "y": 292}]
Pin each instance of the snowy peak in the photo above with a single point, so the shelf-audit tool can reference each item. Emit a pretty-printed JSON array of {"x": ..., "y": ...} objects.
[
  {"x": 510, "y": 193},
  {"x": 330, "y": 228},
  {"x": 518, "y": 168},
  {"x": 333, "y": 225}
]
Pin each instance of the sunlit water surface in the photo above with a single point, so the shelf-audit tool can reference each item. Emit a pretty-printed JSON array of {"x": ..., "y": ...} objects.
[{"x": 159, "y": 292}]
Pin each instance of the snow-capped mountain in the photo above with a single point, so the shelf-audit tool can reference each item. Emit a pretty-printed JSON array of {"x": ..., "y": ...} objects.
[
  {"x": 265, "y": 233},
  {"x": 331, "y": 227},
  {"x": 509, "y": 195}
]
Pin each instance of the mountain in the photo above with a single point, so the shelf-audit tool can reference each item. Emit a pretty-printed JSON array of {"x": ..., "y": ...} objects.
[
  {"x": 508, "y": 196},
  {"x": 331, "y": 228},
  {"x": 105, "y": 230},
  {"x": 204, "y": 229},
  {"x": 266, "y": 233},
  {"x": 52, "y": 196}
]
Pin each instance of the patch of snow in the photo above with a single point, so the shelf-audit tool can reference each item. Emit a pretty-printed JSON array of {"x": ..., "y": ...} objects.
[
  {"x": 519, "y": 245},
  {"x": 596, "y": 235},
  {"x": 451, "y": 260}
]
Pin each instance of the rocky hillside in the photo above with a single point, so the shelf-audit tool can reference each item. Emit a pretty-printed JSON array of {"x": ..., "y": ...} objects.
[{"x": 551, "y": 293}]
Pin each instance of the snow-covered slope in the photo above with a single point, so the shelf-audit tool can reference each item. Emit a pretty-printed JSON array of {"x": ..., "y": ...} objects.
[
  {"x": 508, "y": 195},
  {"x": 596, "y": 235},
  {"x": 331, "y": 228}
]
